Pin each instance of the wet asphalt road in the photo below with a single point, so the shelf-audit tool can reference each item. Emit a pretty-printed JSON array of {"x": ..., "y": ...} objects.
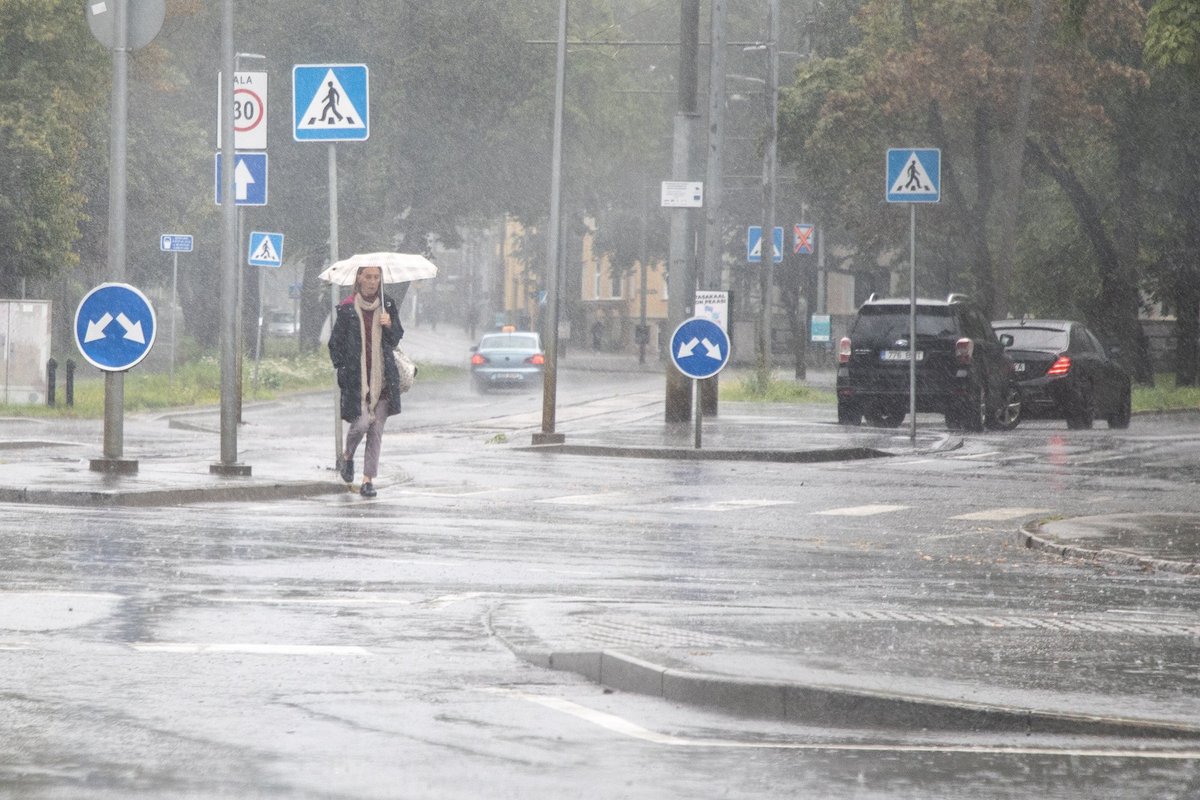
[{"x": 332, "y": 647}]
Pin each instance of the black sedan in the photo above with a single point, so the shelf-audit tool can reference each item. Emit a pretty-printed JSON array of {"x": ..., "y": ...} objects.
[{"x": 1064, "y": 372}]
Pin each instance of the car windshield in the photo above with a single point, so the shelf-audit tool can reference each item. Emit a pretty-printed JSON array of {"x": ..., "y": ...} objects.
[
  {"x": 891, "y": 322},
  {"x": 1035, "y": 338},
  {"x": 509, "y": 341}
]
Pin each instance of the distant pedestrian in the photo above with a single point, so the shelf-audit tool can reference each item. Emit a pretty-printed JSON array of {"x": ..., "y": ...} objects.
[{"x": 365, "y": 334}]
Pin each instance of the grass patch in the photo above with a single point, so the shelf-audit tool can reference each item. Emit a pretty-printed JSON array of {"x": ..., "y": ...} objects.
[
  {"x": 1164, "y": 395},
  {"x": 198, "y": 383},
  {"x": 746, "y": 388}
]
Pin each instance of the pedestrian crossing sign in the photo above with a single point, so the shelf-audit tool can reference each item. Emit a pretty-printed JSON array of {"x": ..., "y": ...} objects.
[
  {"x": 330, "y": 102},
  {"x": 914, "y": 175},
  {"x": 266, "y": 249}
]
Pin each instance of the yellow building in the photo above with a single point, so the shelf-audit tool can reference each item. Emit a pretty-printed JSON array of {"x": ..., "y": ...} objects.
[{"x": 600, "y": 309}]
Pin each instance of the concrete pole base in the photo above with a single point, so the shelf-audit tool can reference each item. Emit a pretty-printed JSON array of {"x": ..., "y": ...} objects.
[
  {"x": 549, "y": 438},
  {"x": 230, "y": 470},
  {"x": 114, "y": 466}
]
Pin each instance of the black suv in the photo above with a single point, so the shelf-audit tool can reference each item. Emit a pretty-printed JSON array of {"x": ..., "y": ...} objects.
[{"x": 962, "y": 370}]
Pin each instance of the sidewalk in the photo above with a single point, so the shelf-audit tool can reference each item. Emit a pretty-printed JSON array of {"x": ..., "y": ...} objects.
[{"x": 745, "y": 660}]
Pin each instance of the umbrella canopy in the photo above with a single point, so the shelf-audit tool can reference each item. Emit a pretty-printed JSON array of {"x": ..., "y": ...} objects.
[{"x": 397, "y": 268}]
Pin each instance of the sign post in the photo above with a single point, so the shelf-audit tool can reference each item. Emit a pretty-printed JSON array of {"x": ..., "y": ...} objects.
[
  {"x": 331, "y": 103},
  {"x": 913, "y": 176},
  {"x": 174, "y": 243},
  {"x": 699, "y": 349}
]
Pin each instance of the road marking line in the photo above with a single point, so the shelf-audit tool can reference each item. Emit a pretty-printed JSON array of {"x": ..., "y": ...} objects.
[
  {"x": 603, "y": 499},
  {"x": 624, "y": 727},
  {"x": 999, "y": 514},
  {"x": 734, "y": 505},
  {"x": 316, "y": 601},
  {"x": 860, "y": 511},
  {"x": 254, "y": 649}
]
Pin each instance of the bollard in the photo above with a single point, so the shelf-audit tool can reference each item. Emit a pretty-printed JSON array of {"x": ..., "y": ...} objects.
[
  {"x": 51, "y": 368},
  {"x": 70, "y": 389}
]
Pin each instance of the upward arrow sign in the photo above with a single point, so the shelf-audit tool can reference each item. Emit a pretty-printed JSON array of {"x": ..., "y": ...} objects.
[{"x": 243, "y": 179}]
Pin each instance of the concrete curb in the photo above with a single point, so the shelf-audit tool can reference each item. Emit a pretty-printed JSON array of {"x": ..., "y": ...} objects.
[
  {"x": 232, "y": 493},
  {"x": 1031, "y": 537},
  {"x": 831, "y": 705},
  {"x": 692, "y": 454}
]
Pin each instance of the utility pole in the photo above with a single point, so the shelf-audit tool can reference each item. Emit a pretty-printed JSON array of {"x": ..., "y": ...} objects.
[
  {"x": 681, "y": 278},
  {"x": 767, "y": 262}
]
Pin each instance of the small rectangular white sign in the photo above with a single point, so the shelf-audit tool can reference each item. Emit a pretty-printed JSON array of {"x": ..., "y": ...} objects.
[{"x": 682, "y": 194}]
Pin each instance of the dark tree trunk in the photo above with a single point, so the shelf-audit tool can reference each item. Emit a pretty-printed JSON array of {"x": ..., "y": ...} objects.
[
  {"x": 1187, "y": 330},
  {"x": 1115, "y": 311}
]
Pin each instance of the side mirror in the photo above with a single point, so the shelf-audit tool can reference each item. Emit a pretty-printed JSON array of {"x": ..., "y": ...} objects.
[{"x": 1006, "y": 339}]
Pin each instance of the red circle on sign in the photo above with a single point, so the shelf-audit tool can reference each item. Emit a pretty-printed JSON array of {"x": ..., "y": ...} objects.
[{"x": 257, "y": 117}]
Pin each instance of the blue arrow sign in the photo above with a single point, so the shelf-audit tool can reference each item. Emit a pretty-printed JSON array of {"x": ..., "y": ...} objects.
[
  {"x": 266, "y": 249},
  {"x": 699, "y": 348},
  {"x": 914, "y": 175},
  {"x": 249, "y": 179},
  {"x": 175, "y": 243},
  {"x": 115, "y": 327},
  {"x": 330, "y": 102},
  {"x": 754, "y": 244}
]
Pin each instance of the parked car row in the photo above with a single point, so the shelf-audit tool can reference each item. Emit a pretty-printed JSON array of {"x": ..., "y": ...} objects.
[{"x": 978, "y": 374}]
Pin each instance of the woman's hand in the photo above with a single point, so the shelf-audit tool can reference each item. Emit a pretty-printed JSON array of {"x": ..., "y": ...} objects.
[{"x": 385, "y": 319}]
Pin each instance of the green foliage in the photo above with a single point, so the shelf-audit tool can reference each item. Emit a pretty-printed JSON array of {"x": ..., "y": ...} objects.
[
  {"x": 749, "y": 388},
  {"x": 1164, "y": 395},
  {"x": 1173, "y": 34},
  {"x": 50, "y": 83}
]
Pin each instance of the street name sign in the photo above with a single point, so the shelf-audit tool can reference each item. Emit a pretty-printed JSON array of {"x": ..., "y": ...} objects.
[{"x": 115, "y": 327}]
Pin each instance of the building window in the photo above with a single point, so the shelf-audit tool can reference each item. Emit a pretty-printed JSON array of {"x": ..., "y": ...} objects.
[{"x": 615, "y": 283}]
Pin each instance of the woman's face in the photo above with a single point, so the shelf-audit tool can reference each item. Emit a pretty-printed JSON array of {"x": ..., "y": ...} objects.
[{"x": 369, "y": 280}]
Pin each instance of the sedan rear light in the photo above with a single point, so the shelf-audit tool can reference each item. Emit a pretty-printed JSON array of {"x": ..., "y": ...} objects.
[
  {"x": 963, "y": 350},
  {"x": 478, "y": 360},
  {"x": 537, "y": 359},
  {"x": 1060, "y": 367},
  {"x": 844, "y": 350}
]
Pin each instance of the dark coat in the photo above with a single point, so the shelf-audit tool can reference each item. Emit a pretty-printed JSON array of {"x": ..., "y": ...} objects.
[{"x": 345, "y": 348}]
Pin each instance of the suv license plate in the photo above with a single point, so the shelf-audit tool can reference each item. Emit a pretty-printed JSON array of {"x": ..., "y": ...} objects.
[{"x": 900, "y": 355}]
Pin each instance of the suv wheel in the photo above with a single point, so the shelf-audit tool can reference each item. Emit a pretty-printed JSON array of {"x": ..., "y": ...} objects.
[
  {"x": 1008, "y": 413},
  {"x": 970, "y": 413},
  {"x": 885, "y": 416},
  {"x": 849, "y": 413}
]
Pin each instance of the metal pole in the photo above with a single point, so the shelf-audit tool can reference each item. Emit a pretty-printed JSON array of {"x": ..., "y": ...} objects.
[
  {"x": 174, "y": 304},
  {"x": 912, "y": 323},
  {"x": 334, "y": 298},
  {"x": 229, "y": 259},
  {"x": 553, "y": 248},
  {"x": 258, "y": 338},
  {"x": 767, "y": 248},
  {"x": 114, "y": 382},
  {"x": 699, "y": 412}
]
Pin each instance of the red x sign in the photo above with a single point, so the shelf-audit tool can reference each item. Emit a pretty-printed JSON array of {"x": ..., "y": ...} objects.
[{"x": 804, "y": 241}]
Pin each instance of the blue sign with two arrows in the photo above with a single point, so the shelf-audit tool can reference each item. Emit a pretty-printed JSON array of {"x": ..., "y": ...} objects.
[
  {"x": 115, "y": 327},
  {"x": 699, "y": 348}
]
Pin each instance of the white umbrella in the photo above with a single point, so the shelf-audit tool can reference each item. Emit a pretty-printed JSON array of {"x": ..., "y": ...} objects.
[{"x": 396, "y": 267}]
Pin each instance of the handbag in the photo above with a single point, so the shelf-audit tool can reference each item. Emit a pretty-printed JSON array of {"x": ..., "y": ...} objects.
[{"x": 407, "y": 367}]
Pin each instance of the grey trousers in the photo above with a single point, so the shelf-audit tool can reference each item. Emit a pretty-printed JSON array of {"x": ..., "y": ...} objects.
[{"x": 370, "y": 426}]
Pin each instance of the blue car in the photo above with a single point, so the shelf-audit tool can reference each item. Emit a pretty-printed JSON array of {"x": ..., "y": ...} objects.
[{"x": 507, "y": 359}]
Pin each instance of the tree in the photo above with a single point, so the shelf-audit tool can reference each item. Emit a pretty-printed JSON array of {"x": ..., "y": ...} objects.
[{"x": 50, "y": 78}]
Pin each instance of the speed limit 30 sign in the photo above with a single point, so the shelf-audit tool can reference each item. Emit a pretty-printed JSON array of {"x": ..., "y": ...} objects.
[{"x": 249, "y": 111}]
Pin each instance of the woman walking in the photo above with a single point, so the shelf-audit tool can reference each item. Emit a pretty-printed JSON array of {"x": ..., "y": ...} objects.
[{"x": 365, "y": 334}]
